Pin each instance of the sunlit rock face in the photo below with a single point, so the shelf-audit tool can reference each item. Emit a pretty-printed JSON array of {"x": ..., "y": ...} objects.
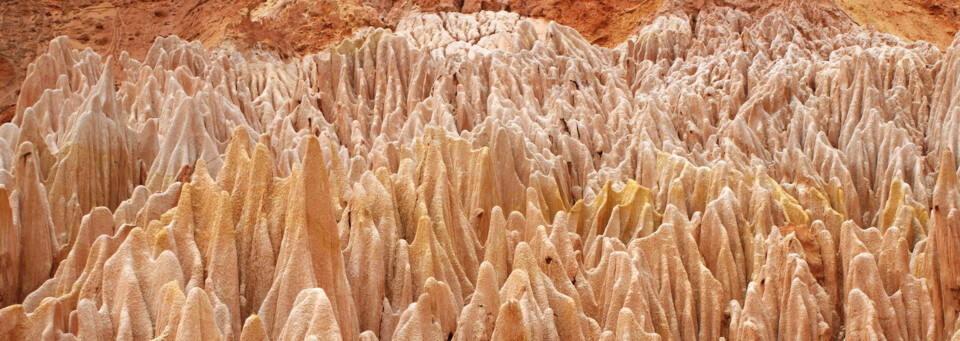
[{"x": 486, "y": 176}]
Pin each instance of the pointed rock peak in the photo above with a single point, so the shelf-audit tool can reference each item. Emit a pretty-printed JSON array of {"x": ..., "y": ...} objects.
[
  {"x": 201, "y": 177},
  {"x": 312, "y": 315},
  {"x": 253, "y": 329},
  {"x": 424, "y": 236},
  {"x": 487, "y": 278},
  {"x": 104, "y": 100},
  {"x": 895, "y": 199},
  {"x": 240, "y": 141},
  {"x": 314, "y": 185},
  {"x": 236, "y": 161},
  {"x": 946, "y": 177},
  {"x": 239, "y": 145},
  {"x": 25, "y": 162},
  {"x": 184, "y": 208},
  {"x": 310, "y": 201}
]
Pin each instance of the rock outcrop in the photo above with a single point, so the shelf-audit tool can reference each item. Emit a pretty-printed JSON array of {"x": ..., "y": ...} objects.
[{"x": 730, "y": 174}]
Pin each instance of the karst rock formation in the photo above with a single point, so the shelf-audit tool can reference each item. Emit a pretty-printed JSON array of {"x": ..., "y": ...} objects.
[{"x": 729, "y": 171}]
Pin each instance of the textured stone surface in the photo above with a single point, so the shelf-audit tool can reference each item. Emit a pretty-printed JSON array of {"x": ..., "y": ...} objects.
[{"x": 736, "y": 174}]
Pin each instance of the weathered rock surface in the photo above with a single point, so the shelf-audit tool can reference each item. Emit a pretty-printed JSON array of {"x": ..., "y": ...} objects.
[{"x": 777, "y": 173}]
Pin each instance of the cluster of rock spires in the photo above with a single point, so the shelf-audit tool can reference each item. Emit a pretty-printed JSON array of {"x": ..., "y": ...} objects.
[{"x": 486, "y": 176}]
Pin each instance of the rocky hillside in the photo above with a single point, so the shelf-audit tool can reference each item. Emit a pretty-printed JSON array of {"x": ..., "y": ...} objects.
[{"x": 445, "y": 170}]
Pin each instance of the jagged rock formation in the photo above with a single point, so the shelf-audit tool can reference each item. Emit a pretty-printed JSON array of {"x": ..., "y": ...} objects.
[
  {"x": 287, "y": 27},
  {"x": 487, "y": 176}
]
